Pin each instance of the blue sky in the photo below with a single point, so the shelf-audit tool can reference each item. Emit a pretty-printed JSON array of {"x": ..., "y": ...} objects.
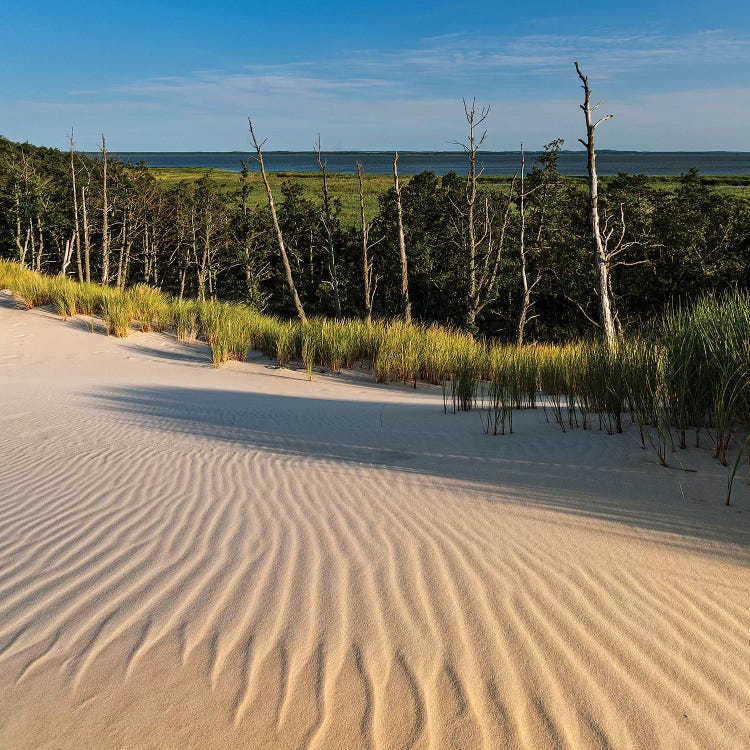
[{"x": 185, "y": 76}]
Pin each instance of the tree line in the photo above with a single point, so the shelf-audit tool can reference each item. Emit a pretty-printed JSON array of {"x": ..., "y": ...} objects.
[{"x": 504, "y": 258}]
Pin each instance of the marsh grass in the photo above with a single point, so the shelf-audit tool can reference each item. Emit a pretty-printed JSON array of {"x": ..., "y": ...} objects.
[
  {"x": 185, "y": 320},
  {"x": 117, "y": 313},
  {"x": 707, "y": 369},
  {"x": 288, "y": 343},
  {"x": 150, "y": 308},
  {"x": 64, "y": 296},
  {"x": 32, "y": 291},
  {"x": 88, "y": 298},
  {"x": 226, "y": 327},
  {"x": 498, "y": 401},
  {"x": 689, "y": 370}
]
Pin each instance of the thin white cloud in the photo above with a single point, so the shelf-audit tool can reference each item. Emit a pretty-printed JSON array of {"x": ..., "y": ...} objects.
[
  {"x": 538, "y": 53},
  {"x": 411, "y": 98}
]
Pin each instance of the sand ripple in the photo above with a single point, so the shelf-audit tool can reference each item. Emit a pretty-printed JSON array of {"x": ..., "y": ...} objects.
[{"x": 233, "y": 559}]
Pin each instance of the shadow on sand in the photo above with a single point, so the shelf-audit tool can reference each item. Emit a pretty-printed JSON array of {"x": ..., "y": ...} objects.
[{"x": 538, "y": 468}]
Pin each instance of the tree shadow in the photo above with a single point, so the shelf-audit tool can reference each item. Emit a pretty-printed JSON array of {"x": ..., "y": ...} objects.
[
  {"x": 603, "y": 477},
  {"x": 177, "y": 352},
  {"x": 8, "y": 301}
]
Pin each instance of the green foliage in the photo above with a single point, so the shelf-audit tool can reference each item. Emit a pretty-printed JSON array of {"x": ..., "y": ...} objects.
[{"x": 193, "y": 233}]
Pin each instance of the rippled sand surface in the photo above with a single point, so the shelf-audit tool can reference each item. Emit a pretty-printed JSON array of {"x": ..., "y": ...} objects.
[{"x": 193, "y": 558}]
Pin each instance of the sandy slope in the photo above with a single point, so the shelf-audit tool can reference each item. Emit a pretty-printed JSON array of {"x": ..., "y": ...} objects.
[{"x": 192, "y": 558}]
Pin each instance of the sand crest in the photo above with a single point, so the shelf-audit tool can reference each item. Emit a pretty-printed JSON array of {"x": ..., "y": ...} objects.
[{"x": 238, "y": 558}]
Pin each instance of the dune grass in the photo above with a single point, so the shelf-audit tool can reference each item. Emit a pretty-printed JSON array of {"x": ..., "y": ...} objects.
[{"x": 688, "y": 371}]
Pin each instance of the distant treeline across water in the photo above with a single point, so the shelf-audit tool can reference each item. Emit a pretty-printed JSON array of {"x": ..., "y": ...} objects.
[{"x": 442, "y": 162}]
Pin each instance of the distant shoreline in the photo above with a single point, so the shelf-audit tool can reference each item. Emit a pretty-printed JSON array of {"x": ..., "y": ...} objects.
[{"x": 495, "y": 163}]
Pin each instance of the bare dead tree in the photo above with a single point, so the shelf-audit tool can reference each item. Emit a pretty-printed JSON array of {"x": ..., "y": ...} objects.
[
  {"x": 67, "y": 254},
  {"x": 489, "y": 261},
  {"x": 125, "y": 243},
  {"x": 602, "y": 257},
  {"x": 405, "y": 302},
  {"x": 527, "y": 288},
  {"x": 277, "y": 227},
  {"x": 186, "y": 246},
  {"x": 248, "y": 241},
  {"x": 23, "y": 175},
  {"x": 474, "y": 223},
  {"x": 204, "y": 234},
  {"x": 77, "y": 231},
  {"x": 475, "y": 231},
  {"x": 367, "y": 265},
  {"x": 86, "y": 234},
  {"x": 608, "y": 231},
  {"x": 31, "y": 204},
  {"x": 472, "y": 148},
  {"x": 40, "y": 247},
  {"x": 23, "y": 249},
  {"x": 118, "y": 248},
  {"x": 327, "y": 221},
  {"x": 105, "y": 216}
]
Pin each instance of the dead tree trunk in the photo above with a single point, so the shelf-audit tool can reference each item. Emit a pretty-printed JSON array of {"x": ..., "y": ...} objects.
[
  {"x": 149, "y": 260},
  {"x": 124, "y": 249},
  {"x": 472, "y": 148},
  {"x": 366, "y": 262},
  {"x": 249, "y": 240},
  {"x": 105, "y": 217},
  {"x": 77, "y": 231},
  {"x": 526, "y": 248},
  {"x": 526, "y": 301},
  {"x": 277, "y": 228},
  {"x": 327, "y": 218},
  {"x": 40, "y": 251},
  {"x": 601, "y": 259},
  {"x": 405, "y": 303},
  {"x": 67, "y": 255},
  {"x": 86, "y": 236},
  {"x": 33, "y": 245},
  {"x": 23, "y": 248}
]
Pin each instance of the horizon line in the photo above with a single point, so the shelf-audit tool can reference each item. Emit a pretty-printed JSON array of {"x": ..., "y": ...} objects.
[{"x": 428, "y": 151}]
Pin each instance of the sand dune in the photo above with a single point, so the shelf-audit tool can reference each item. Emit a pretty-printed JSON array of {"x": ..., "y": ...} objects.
[{"x": 193, "y": 558}]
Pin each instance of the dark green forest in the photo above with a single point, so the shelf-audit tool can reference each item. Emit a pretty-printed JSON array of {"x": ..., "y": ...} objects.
[{"x": 675, "y": 241}]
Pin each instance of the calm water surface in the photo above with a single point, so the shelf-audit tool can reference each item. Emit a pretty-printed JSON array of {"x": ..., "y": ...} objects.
[{"x": 494, "y": 163}]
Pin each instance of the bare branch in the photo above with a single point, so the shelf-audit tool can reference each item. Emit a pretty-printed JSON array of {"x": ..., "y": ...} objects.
[
  {"x": 277, "y": 227},
  {"x": 628, "y": 264}
]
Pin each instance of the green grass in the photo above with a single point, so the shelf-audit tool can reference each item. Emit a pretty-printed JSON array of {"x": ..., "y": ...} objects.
[
  {"x": 345, "y": 187},
  {"x": 117, "y": 313},
  {"x": 689, "y": 370}
]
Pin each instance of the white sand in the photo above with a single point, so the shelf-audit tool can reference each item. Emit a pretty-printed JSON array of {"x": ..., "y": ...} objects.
[{"x": 193, "y": 558}]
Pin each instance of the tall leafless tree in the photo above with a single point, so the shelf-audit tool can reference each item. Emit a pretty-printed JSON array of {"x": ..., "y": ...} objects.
[
  {"x": 599, "y": 245},
  {"x": 105, "y": 216},
  {"x": 67, "y": 254},
  {"x": 529, "y": 249},
  {"x": 405, "y": 302},
  {"x": 471, "y": 148},
  {"x": 249, "y": 240},
  {"x": 86, "y": 232},
  {"x": 474, "y": 224},
  {"x": 277, "y": 227},
  {"x": 526, "y": 288},
  {"x": 76, "y": 225},
  {"x": 327, "y": 221},
  {"x": 367, "y": 266}
]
